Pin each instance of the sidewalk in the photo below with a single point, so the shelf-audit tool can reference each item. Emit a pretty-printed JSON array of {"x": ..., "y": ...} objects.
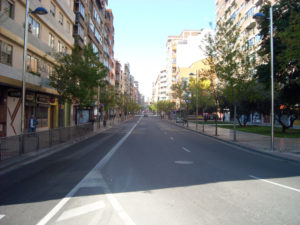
[{"x": 285, "y": 148}]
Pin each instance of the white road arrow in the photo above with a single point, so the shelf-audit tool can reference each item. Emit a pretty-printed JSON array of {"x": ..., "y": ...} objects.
[{"x": 81, "y": 210}]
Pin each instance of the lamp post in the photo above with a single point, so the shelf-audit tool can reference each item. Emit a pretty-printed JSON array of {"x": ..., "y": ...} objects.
[
  {"x": 257, "y": 17},
  {"x": 192, "y": 74},
  {"x": 39, "y": 11}
]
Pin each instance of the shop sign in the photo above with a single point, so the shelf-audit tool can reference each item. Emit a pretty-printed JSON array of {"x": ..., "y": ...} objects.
[
  {"x": 30, "y": 97},
  {"x": 43, "y": 99},
  {"x": 15, "y": 93}
]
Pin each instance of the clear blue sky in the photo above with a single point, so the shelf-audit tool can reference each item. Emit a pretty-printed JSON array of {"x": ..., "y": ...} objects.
[{"x": 142, "y": 28}]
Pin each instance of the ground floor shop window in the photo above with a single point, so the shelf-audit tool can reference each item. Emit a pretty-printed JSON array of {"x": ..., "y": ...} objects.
[{"x": 42, "y": 116}]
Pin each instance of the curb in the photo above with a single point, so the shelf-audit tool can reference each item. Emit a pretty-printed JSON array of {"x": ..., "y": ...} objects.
[{"x": 241, "y": 146}]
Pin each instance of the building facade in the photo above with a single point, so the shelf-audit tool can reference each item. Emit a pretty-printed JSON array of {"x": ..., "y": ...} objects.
[
  {"x": 182, "y": 51},
  {"x": 47, "y": 35},
  {"x": 241, "y": 12}
]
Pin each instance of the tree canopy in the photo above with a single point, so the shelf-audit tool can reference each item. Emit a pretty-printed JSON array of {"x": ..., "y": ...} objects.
[
  {"x": 77, "y": 75},
  {"x": 286, "y": 17}
]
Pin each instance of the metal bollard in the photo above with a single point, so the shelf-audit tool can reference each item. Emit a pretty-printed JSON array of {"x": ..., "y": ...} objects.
[
  {"x": 37, "y": 139},
  {"x": 50, "y": 137}
]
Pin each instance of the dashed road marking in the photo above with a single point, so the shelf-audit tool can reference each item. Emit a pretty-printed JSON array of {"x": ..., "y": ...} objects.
[
  {"x": 81, "y": 210},
  {"x": 172, "y": 138},
  {"x": 2, "y": 216},
  {"x": 184, "y": 162},
  {"x": 274, "y": 183},
  {"x": 185, "y": 149}
]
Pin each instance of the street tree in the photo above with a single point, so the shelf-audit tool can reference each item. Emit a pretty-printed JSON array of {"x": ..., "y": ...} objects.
[
  {"x": 77, "y": 75},
  {"x": 179, "y": 89},
  {"x": 286, "y": 14},
  {"x": 234, "y": 65}
]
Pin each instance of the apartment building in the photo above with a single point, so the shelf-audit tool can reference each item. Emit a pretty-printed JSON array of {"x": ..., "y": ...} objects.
[
  {"x": 159, "y": 87},
  {"x": 241, "y": 12},
  {"x": 182, "y": 51},
  {"x": 94, "y": 24},
  {"x": 47, "y": 34},
  {"x": 109, "y": 43}
]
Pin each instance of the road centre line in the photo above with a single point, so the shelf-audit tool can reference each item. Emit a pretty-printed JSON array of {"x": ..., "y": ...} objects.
[
  {"x": 99, "y": 165},
  {"x": 274, "y": 183},
  {"x": 185, "y": 149},
  {"x": 2, "y": 216}
]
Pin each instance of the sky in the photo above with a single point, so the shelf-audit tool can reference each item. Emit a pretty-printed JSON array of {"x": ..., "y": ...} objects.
[{"x": 143, "y": 26}]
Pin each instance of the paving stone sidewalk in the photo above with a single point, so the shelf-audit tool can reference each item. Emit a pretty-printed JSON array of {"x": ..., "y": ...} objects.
[{"x": 287, "y": 148}]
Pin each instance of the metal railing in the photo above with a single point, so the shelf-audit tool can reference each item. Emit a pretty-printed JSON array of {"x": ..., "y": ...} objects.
[{"x": 14, "y": 146}]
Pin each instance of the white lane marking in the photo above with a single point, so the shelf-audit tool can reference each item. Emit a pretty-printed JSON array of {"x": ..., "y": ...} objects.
[
  {"x": 172, "y": 138},
  {"x": 185, "y": 149},
  {"x": 184, "y": 162},
  {"x": 2, "y": 216},
  {"x": 81, "y": 210},
  {"x": 280, "y": 185},
  {"x": 100, "y": 164}
]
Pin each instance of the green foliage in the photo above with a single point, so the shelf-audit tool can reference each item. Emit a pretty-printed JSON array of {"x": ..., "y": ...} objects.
[
  {"x": 234, "y": 68},
  {"x": 165, "y": 106},
  {"x": 286, "y": 17},
  {"x": 77, "y": 75},
  {"x": 178, "y": 91},
  {"x": 153, "y": 107},
  {"x": 108, "y": 96}
]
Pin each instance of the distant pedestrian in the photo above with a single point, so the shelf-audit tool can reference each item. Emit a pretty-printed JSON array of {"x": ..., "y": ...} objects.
[{"x": 32, "y": 124}]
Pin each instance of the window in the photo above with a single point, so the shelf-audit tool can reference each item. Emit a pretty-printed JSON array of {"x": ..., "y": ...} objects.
[
  {"x": 233, "y": 16},
  {"x": 68, "y": 27},
  {"x": 51, "y": 41},
  {"x": 95, "y": 49},
  {"x": 80, "y": 31},
  {"x": 49, "y": 70},
  {"x": 8, "y": 8},
  {"x": 97, "y": 17},
  {"x": 42, "y": 116},
  {"x": 98, "y": 37},
  {"x": 34, "y": 27},
  {"x": 250, "y": 13},
  {"x": 59, "y": 46},
  {"x": 31, "y": 64},
  {"x": 92, "y": 27},
  {"x": 258, "y": 38},
  {"x": 251, "y": 42},
  {"x": 81, "y": 9},
  {"x": 61, "y": 19},
  {"x": 52, "y": 9},
  {"x": 5, "y": 53}
]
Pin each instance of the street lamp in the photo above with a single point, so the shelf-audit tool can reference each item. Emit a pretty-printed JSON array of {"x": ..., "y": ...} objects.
[
  {"x": 192, "y": 74},
  {"x": 39, "y": 11},
  {"x": 259, "y": 17}
]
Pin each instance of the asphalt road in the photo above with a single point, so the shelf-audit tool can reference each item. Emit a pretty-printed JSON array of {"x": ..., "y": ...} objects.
[{"x": 148, "y": 171}]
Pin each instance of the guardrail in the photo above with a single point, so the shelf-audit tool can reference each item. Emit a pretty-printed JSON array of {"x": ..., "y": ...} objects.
[{"x": 14, "y": 146}]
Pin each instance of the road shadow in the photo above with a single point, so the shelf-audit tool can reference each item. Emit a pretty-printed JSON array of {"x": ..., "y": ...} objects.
[{"x": 145, "y": 162}]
